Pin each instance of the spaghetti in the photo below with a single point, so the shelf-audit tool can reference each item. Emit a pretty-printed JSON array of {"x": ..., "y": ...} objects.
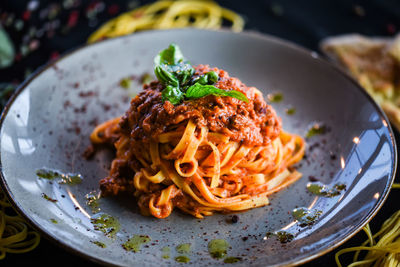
[
  {"x": 169, "y": 14},
  {"x": 14, "y": 234},
  {"x": 385, "y": 252},
  {"x": 209, "y": 154},
  {"x": 382, "y": 252}
]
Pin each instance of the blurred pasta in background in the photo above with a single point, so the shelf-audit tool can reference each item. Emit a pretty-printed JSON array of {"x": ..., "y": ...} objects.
[{"x": 170, "y": 14}]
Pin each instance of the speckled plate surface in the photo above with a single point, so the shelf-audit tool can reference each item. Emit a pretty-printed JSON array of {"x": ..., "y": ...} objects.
[{"x": 48, "y": 122}]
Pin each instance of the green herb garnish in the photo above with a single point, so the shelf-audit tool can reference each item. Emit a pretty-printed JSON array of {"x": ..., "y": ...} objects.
[
  {"x": 135, "y": 242},
  {"x": 184, "y": 259},
  {"x": 176, "y": 74},
  {"x": 66, "y": 178},
  {"x": 98, "y": 243},
  {"x": 49, "y": 198},
  {"x": 166, "y": 77},
  {"x": 315, "y": 130},
  {"x": 170, "y": 56},
  {"x": 92, "y": 200},
  {"x": 165, "y": 252},
  {"x": 171, "y": 67},
  {"x": 232, "y": 259},
  {"x": 320, "y": 189},
  {"x": 275, "y": 98},
  {"x": 208, "y": 78},
  {"x": 47, "y": 174},
  {"x": 183, "y": 248},
  {"x": 198, "y": 90},
  {"x": 305, "y": 216},
  {"x": 71, "y": 178},
  {"x": 106, "y": 224},
  {"x": 283, "y": 236},
  {"x": 125, "y": 83},
  {"x": 172, "y": 94},
  {"x": 218, "y": 248},
  {"x": 290, "y": 111}
]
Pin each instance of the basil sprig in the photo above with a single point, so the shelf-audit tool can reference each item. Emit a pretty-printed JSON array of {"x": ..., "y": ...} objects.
[
  {"x": 208, "y": 78},
  {"x": 171, "y": 67},
  {"x": 173, "y": 95},
  {"x": 199, "y": 90},
  {"x": 176, "y": 74}
]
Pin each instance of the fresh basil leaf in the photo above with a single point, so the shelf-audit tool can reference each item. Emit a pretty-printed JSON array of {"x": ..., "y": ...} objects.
[
  {"x": 184, "y": 77},
  {"x": 208, "y": 78},
  {"x": 198, "y": 90},
  {"x": 170, "y": 67},
  {"x": 165, "y": 77},
  {"x": 212, "y": 77},
  {"x": 170, "y": 56},
  {"x": 175, "y": 73},
  {"x": 203, "y": 80},
  {"x": 183, "y": 71},
  {"x": 172, "y": 94}
]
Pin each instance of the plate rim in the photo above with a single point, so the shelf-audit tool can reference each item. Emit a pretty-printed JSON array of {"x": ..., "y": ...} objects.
[{"x": 250, "y": 33}]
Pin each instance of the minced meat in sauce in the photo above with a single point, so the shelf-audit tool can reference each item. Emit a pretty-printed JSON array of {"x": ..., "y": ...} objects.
[{"x": 253, "y": 123}]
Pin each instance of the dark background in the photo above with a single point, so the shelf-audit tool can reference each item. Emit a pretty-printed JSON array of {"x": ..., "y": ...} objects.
[{"x": 41, "y": 31}]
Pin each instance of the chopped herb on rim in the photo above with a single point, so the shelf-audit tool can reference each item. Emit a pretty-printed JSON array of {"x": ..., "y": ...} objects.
[
  {"x": 275, "y": 98},
  {"x": 45, "y": 196},
  {"x": 125, "y": 83},
  {"x": 290, "y": 111},
  {"x": 316, "y": 129}
]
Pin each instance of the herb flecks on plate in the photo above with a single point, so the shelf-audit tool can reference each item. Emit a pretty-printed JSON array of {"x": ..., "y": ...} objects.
[
  {"x": 106, "y": 224},
  {"x": 305, "y": 216},
  {"x": 275, "y": 97},
  {"x": 183, "y": 248},
  {"x": 184, "y": 259},
  {"x": 166, "y": 252},
  {"x": 316, "y": 129},
  {"x": 92, "y": 201},
  {"x": 218, "y": 248},
  {"x": 45, "y": 196},
  {"x": 125, "y": 83},
  {"x": 320, "y": 189},
  {"x": 232, "y": 259},
  {"x": 177, "y": 75},
  {"x": 290, "y": 111},
  {"x": 64, "y": 178},
  {"x": 99, "y": 244},
  {"x": 135, "y": 243},
  {"x": 282, "y": 236}
]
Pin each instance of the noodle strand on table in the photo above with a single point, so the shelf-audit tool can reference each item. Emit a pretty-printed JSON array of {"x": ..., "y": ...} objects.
[
  {"x": 14, "y": 234},
  {"x": 383, "y": 248}
]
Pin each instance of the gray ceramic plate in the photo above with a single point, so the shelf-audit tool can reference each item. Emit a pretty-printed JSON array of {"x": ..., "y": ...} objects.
[{"x": 48, "y": 122}]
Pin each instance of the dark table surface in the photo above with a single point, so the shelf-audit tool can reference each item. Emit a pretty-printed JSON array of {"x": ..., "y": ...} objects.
[{"x": 42, "y": 30}]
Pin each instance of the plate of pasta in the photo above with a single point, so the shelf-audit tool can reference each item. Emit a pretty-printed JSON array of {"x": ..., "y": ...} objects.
[{"x": 208, "y": 147}]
